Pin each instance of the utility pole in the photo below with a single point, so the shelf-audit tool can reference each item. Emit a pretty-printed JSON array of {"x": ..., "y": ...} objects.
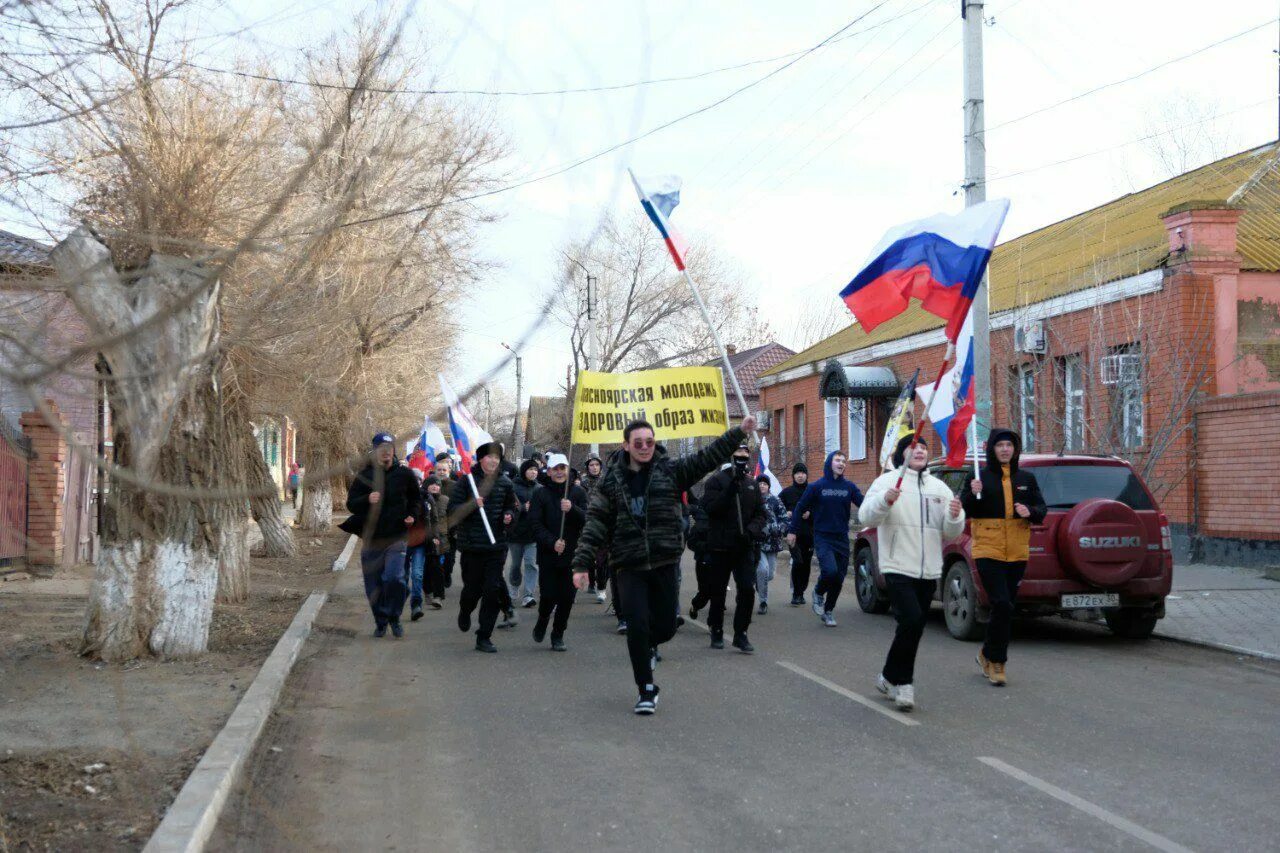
[
  {"x": 517, "y": 439},
  {"x": 488, "y": 413},
  {"x": 592, "y": 364},
  {"x": 975, "y": 192}
]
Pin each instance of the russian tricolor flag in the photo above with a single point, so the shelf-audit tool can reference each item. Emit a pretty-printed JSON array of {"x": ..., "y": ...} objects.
[
  {"x": 659, "y": 196},
  {"x": 762, "y": 468},
  {"x": 430, "y": 442},
  {"x": 953, "y": 405},
  {"x": 939, "y": 260},
  {"x": 467, "y": 432}
]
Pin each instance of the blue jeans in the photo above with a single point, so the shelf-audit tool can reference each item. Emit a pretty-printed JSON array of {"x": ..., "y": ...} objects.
[
  {"x": 384, "y": 586},
  {"x": 522, "y": 584},
  {"x": 833, "y": 565},
  {"x": 764, "y": 574}
]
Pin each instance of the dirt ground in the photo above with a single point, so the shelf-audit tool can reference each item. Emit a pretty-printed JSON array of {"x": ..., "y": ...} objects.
[{"x": 91, "y": 754}]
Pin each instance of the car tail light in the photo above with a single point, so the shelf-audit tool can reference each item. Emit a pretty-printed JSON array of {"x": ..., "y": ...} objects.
[{"x": 1166, "y": 538}]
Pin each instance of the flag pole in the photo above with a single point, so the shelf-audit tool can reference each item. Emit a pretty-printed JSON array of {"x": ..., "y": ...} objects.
[
  {"x": 915, "y": 435},
  {"x": 568, "y": 482},
  {"x": 724, "y": 354},
  {"x": 973, "y": 424},
  {"x": 475, "y": 493}
]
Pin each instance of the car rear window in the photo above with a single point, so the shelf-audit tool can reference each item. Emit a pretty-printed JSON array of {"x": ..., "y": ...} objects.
[{"x": 1064, "y": 486}]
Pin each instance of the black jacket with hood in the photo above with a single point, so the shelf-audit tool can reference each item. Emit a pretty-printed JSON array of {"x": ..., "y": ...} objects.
[
  {"x": 545, "y": 517},
  {"x": 499, "y": 495},
  {"x": 997, "y": 531},
  {"x": 791, "y": 496},
  {"x": 522, "y": 530},
  {"x": 401, "y": 497},
  {"x": 735, "y": 510}
]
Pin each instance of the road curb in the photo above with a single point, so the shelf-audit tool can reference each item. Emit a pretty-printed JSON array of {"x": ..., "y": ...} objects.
[
  {"x": 345, "y": 557},
  {"x": 191, "y": 818},
  {"x": 1222, "y": 647}
]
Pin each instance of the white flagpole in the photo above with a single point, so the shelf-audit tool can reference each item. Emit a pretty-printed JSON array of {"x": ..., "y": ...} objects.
[
  {"x": 724, "y": 354},
  {"x": 973, "y": 429},
  {"x": 483, "y": 516}
]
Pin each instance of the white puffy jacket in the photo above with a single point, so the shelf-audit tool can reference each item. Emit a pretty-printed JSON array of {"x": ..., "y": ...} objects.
[{"x": 910, "y": 533}]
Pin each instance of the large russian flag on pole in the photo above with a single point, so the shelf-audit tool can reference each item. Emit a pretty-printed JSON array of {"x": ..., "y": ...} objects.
[
  {"x": 467, "y": 432},
  {"x": 659, "y": 196},
  {"x": 952, "y": 407},
  {"x": 939, "y": 260},
  {"x": 762, "y": 468}
]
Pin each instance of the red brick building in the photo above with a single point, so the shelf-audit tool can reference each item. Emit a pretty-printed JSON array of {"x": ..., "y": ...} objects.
[{"x": 1147, "y": 328}]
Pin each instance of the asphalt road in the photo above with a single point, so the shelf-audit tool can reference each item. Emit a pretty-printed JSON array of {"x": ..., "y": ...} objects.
[{"x": 425, "y": 744}]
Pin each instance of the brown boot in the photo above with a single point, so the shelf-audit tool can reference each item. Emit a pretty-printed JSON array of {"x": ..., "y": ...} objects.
[
  {"x": 997, "y": 675},
  {"x": 985, "y": 664}
]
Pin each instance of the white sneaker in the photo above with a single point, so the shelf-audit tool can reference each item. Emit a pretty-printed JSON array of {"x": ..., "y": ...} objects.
[
  {"x": 819, "y": 606},
  {"x": 885, "y": 688},
  {"x": 905, "y": 697},
  {"x": 829, "y": 620},
  {"x": 600, "y": 596}
]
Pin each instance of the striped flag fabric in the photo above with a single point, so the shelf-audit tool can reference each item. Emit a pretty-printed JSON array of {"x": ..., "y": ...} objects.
[
  {"x": 467, "y": 433},
  {"x": 659, "y": 196},
  {"x": 762, "y": 468},
  {"x": 953, "y": 406}
]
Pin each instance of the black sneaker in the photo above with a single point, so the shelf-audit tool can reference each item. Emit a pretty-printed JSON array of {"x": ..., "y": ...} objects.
[
  {"x": 679, "y": 621},
  {"x": 464, "y": 621},
  {"x": 797, "y": 601},
  {"x": 557, "y": 643},
  {"x": 742, "y": 644},
  {"x": 693, "y": 610},
  {"x": 622, "y": 627},
  {"x": 539, "y": 631},
  {"x": 416, "y": 614},
  {"x": 437, "y": 603},
  {"x": 483, "y": 645},
  {"x": 397, "y": 630},
  {"x": 530, "y": 602},
  {"x": 717, "y": 640},
  {"x": 648, "y": 701},
  {"x": 764, "y": 608},
  {"x": 380, "y": 631}
]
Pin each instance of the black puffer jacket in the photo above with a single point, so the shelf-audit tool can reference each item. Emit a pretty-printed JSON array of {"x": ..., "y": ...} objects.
[
  {"x": 400, "y": 498},
  {"x": 659, "y": 541},
  {"x": 499, "y": 495},
  {"x": 545, "y": 516},
  {"x": 522, "y": 531},
  {"x": 735, "y": 509}
]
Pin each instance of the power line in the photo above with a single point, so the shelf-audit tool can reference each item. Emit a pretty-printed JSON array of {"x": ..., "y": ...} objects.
[{"x": 1130, "y": 78}]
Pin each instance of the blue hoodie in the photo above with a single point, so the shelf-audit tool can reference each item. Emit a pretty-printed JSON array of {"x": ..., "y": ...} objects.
[{"x": 828, "y": 500}]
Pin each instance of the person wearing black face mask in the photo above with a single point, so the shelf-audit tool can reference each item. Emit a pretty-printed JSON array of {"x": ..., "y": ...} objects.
[{"x": 735, "y": 512}]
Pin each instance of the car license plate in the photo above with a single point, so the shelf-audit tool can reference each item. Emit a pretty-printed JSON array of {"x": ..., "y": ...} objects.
[{"x": 1090, "y": 599}]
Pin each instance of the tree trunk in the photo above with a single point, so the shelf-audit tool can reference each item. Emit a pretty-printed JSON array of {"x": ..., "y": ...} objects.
[
  {"x": 277, "y": 538},
  {"x": 157, "y": 569},
  {"x": 233, "y": 562},
  {"x": 317, "y": 492}
]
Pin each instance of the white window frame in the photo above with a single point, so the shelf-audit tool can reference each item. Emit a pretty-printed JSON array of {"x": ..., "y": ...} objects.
[
  {"x": 1073, "y": 402},
  {"x": 782, "y": 428},
  {"x": 802, "y": 434},
  {"x": 830, "y": 424},
  {"x": 1027, "y": 406},
  {"x": 1132, "y": 404},
  {"x": 857, "y": 417}
]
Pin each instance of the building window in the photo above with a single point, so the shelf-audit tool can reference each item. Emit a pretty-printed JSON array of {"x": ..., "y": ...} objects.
[
  {"x": 1072, "y": 372},
  {"x": 831, "y": 424},
  {"x": 801, "y": 437},
  {"x": 1027, "y": 406},
  {"x": 780, "y": 418},
  {"x": 857, "y": 428},
  {"x": 1127, "y": 406}
]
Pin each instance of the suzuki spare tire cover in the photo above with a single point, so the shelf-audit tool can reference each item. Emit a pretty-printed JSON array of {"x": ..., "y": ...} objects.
[{"x": 1102, "y": 542}]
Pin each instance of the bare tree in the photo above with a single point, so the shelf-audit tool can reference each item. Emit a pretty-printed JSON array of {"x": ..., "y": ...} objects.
[
  {"x": 820, "y": 317},
  {"x": 1185, "y": 131}
]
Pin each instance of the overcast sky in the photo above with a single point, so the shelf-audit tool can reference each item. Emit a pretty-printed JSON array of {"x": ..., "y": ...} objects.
[{"x": 797, "y": 177}]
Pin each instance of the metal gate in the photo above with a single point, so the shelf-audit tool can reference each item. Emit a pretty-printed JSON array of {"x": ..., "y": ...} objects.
[{"x": 15, "y": 450}]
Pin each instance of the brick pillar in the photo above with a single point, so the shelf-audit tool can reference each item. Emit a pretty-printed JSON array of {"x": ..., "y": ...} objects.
[{"x": 46, "y": 487}]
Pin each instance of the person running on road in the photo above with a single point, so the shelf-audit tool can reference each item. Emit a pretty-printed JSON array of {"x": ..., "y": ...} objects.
[
  {"x": 737, "y": 521},
  {"x": 775, "y": 529},
  {"x": 1001, "y": 505},
  {"x": 557, "y": 516},
  {"x": 522, "y": 573},
  {"x": 826, "y": 504},
  {"x": 911, "y": 525},
  {"x": 482, "y": 560},
  {"x": 802, "y": 551},
  {"x": 383, "y": 499},
  {"x": 635, "y": 513}
]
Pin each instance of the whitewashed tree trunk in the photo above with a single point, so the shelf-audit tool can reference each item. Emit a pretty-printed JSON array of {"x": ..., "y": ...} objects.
[
  {"x": 317, "y": 493},
  {"x": 157, "y": 570}
]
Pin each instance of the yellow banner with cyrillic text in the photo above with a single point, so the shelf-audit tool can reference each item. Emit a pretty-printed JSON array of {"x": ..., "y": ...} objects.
[{"x": 680, "y": 402}]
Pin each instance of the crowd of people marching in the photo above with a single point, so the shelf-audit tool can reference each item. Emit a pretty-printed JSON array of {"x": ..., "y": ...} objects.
[{"x": 532, "y": 536}]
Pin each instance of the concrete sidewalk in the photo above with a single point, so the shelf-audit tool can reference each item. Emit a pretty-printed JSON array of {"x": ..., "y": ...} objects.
[{"x": 1225, "y": 607}]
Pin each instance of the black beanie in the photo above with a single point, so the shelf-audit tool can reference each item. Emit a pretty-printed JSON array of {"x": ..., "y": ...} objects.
[
  {"x": 900, "y": 453},
  {"x": 763, "y": 479},
  {"x": 799, "y": 468}
]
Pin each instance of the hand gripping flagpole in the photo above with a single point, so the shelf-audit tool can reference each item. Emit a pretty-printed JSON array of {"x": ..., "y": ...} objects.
[{"x": 484, "y": 517}]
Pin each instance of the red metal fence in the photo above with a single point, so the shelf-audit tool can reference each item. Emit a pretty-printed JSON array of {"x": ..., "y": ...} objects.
[{"x": 14, "y": 452}]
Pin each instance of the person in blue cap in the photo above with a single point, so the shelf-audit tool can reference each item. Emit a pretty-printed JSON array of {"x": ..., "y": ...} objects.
[{"x": 383, "y": 500}]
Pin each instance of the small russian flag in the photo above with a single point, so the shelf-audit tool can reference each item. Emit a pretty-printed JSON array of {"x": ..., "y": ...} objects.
[
  {"x": 659, "y": 196},
  {"x": 467, "y": 432},
  {"x": 939, "y": 260}
]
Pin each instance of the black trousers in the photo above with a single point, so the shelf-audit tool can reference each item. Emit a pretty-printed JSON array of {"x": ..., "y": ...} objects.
[
  {"x": 648, "y": 606},
  {"x": 446, "y": 566},
  {"x": 740, "y": 565},
  {"x": 1000, "y": 580},
  {"x": 556, "y": 594},
  {"x": 801, "y": 563},
  {"x": 702, "y": 576},
  {"x": 483, "y": 584},
  {"x": 910, "y": 599}
]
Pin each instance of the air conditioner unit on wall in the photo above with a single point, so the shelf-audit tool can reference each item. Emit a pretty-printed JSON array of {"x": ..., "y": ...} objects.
[
  {"x": 1029, "y": 336},
  {"x": 763, "y": 420},
  {"x": 1120, "y": 369}
]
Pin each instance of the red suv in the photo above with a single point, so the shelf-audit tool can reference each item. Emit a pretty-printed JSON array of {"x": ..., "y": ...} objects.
[{"x": 1104, "y": 546}]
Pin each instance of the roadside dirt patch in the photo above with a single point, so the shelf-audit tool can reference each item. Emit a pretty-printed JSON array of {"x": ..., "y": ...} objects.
[{"x": 146, "y": 721}]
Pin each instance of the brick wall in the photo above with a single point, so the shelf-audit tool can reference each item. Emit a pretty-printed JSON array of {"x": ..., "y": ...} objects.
[
  {"x": 1238, "y": 466},
  {"x": 46, "y": 488}
]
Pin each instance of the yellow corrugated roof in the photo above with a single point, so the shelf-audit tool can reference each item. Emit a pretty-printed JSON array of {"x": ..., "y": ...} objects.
[{"x": 1121, "y": 238}]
